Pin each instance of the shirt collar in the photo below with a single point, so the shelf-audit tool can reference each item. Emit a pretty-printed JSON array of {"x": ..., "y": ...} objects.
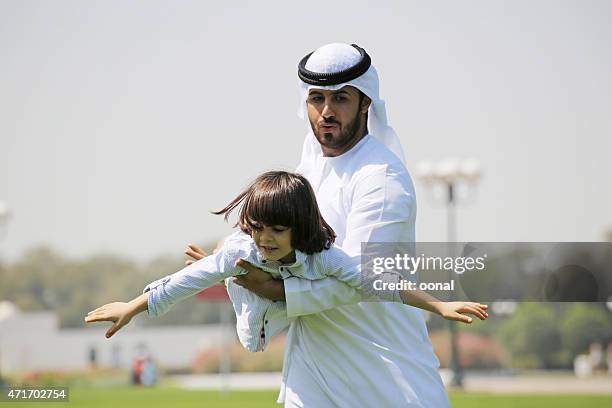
[{"x": 300, "y": 258}]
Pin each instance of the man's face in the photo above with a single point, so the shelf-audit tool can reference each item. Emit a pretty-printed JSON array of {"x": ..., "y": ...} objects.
[{"x": 336, "y": 117}]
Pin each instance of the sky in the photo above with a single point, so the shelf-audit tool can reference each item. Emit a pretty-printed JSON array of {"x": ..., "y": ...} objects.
[{"x": 124, "y": 123}]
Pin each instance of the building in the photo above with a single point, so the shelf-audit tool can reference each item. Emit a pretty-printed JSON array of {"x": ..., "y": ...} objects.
[{"x": 34, "y": 341}]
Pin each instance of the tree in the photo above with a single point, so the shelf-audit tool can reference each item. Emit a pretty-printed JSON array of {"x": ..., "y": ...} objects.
[
  {"x": 583, "y": 324},
  {"x": 532, "y": 336}
]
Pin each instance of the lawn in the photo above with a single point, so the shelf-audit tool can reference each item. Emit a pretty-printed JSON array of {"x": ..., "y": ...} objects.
[{"x": 178, "y": 398}]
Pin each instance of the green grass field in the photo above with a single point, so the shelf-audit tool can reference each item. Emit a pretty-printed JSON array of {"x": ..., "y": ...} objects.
[{"x": 178, "y": 398}]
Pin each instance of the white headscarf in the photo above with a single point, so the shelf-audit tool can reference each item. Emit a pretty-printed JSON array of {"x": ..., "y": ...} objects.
[{"x": 333, "y": 58}]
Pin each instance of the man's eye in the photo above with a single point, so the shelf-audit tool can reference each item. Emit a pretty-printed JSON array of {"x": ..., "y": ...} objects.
[
  {"x": 340, "y": 98},
  {"x": 316, "y": 99},
  {"x": 279, "y": 229}
]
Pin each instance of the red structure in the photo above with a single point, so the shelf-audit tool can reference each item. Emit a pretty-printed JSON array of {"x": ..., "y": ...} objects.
[{"x": 216, "y": 293}]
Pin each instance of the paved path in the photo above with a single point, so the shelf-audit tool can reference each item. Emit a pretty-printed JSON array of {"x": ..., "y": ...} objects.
[
  {"x": 540, "y": 385},
  {"x": 237, "y": 381},
  {"x": 546, "y": 383}
]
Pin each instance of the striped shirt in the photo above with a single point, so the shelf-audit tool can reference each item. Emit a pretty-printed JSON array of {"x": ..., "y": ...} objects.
[{"x": 252, "y": 310}]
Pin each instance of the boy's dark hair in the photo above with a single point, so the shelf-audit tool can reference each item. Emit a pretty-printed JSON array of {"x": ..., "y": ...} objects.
[{"x": 287, "y": 199}]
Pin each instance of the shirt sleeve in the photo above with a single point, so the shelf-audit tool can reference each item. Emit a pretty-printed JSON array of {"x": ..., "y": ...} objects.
[
  {"x": 167, "y": 291},
  {"x": 334, "y": 262},
  {"x": 383, "y": 206},
  {"x": 304, "y": 296},
  {"x": 257, "y": 319},
  {"x": 382, "y": 209}
]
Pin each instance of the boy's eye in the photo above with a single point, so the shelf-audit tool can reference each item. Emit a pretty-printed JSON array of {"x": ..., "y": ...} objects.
[{"x": 279, "y": 229}]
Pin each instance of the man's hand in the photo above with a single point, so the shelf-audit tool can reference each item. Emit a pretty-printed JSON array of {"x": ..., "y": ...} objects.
[
  {"x": 195, "y": 252},
  {"x": 254, "y": 274},
  {"x": 458, "y": 310},
  {"x": 259, "y": 282}
]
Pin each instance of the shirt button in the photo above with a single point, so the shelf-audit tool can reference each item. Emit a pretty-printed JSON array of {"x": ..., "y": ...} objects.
[
  {"x": 282, "y": 269},
  {"x": 266, "y": 322},
  {"x": 263, "y": 261}
]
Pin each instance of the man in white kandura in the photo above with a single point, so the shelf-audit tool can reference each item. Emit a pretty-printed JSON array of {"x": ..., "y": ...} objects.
[{"x": 367, "y": 354}]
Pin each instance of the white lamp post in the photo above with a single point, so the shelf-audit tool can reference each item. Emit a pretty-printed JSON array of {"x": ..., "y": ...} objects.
[
  {"x": 450, "y": 174},
  {"x": 4, "y": 216}
]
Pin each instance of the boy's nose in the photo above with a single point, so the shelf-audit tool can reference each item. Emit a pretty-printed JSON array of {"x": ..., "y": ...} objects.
[{"x": 264, "y": 237}]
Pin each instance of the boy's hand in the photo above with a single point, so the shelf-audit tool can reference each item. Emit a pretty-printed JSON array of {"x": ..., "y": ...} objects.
[
  {"x": 195, "y": 252},
  {"x": 120, "y": 313},
  {"x": 458, "y": 311}
]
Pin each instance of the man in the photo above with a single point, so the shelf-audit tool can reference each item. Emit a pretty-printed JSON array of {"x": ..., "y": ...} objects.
[{"x": 338, "y": 353}]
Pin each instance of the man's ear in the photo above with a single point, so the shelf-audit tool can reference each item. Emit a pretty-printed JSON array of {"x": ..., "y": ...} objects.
[{"x": 365, "y": 104}]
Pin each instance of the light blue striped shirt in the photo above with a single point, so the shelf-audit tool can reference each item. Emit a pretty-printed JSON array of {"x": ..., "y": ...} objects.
[{"x": 252, "y": 311}]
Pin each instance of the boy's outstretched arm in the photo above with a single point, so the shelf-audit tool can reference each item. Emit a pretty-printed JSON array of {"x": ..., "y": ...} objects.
[
  {"x": 449, "y": 310},
  {"x": 120, "y": 313}
]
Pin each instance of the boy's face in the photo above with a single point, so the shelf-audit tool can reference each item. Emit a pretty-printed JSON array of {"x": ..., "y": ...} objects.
[{"x": 273, "y": 241}]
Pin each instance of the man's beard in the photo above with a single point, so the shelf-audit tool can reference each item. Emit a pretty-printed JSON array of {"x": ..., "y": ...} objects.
[{"x": 347, "y": 133}]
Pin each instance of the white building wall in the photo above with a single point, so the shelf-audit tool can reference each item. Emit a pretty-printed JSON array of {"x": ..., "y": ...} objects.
[{"x": 33, "y": 341}]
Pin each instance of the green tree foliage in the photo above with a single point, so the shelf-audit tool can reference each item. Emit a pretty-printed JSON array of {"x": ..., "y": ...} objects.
[
  {"x": 532, "y": 336},
  {"x": 583, "y": 324},
  {"x": 550, "y": 335},
  {"x": 44, "y": 280}
]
